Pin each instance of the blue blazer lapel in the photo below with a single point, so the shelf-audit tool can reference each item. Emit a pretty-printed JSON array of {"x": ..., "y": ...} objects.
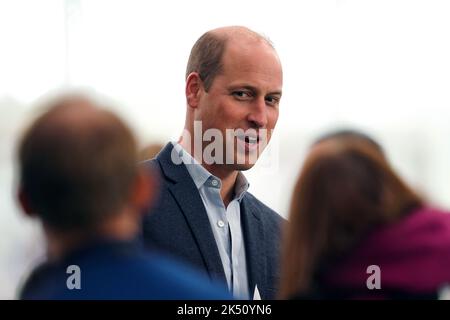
[
  {"x": 186, "y": 195},
  {"x": 254, "y": 247}
]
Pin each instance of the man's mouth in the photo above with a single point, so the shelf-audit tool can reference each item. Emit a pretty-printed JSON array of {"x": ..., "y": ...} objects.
[
  {"x": 249, "y": 139},
  {"x": 249, "y": 142}
]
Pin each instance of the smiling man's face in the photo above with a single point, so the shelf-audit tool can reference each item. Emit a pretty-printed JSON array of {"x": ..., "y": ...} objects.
[{"x": 245, "y": 95}]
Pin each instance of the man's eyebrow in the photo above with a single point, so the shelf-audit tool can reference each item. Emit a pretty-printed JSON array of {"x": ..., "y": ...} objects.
[
  {"x": 254, "y": 89},
  {"x": 278, "y": 93},
  {"x": 243, "y": 86}
]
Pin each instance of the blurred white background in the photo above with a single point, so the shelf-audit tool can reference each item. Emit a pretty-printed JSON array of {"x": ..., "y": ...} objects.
[{"x": 382, "y": 66}]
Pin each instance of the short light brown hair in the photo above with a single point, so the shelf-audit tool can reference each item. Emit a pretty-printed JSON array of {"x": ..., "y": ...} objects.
[
  {"x": 206, "y": 57},
  {"x": 206, "y": 54},
  {"x": 77, "y": 164}
]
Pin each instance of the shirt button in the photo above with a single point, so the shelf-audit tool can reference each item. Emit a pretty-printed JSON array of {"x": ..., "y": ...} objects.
[
  {"x": 214, "y": 182},
  {"x": 221, "y": 224}
]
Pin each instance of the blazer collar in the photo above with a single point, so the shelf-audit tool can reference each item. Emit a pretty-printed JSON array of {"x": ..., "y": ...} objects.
[{"x": 189, "y": 201}]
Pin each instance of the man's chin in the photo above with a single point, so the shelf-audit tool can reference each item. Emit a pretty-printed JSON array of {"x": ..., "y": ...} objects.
[
  {"x": 245, "y": 160},
  {"x": 243, "y": 167}
]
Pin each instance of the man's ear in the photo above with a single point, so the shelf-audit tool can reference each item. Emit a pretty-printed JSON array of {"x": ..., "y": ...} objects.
[
  {"x": 145, "y": 189},
  {"x": 193, "y": 88},
  {"x": 25, "y": 203}
]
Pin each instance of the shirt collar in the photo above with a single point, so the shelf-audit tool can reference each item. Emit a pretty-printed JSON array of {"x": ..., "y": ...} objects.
[
  {"x": 200, "y": 175},
  {"x": 241, "y": 186}
]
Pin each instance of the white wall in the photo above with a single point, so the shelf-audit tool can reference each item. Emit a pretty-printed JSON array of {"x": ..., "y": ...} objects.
[{"x": 381, "y": 66}]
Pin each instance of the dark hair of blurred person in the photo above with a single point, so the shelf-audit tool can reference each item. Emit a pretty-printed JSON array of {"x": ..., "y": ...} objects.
[
  {"x": 79, "y": 175},
  {"x": 351, "y": 210}
]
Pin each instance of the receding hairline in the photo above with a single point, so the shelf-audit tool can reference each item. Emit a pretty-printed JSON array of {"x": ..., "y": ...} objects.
[
  {"x": 206, "y": 57},
  {"x": 239, "y": 33}
]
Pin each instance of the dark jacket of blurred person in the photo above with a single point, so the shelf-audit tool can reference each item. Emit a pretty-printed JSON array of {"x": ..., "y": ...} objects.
[
  {"x": 352, "y": 220},
  {"x": 79, "y": 175}
]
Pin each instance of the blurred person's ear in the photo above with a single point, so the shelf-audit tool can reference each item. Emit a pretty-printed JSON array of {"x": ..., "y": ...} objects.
[
  {"x": 145, "y": 190},
  {"x": 193, "y": 85},
  {"x": 25, "y": 203}
]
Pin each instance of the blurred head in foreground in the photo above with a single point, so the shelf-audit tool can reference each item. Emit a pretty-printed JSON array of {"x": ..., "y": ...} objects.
[
  {"x": 79, "y": 174},
  {"x": 351, "y": 210}
]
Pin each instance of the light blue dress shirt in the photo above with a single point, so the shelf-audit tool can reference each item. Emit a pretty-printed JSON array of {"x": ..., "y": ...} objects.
[{"x": 225, "y": 222}]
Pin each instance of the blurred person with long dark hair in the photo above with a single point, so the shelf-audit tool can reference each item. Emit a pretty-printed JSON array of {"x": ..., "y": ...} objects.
[{"x": 357, "y": 230}]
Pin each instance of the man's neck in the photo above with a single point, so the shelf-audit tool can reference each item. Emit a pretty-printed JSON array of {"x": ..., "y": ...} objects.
[
  {"x": 221, "y": 171},
  {"x": 122, "y": 227},
  {"x": 228, "y": 178}
]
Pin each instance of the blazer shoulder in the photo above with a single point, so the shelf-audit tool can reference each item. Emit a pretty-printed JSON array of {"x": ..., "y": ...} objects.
[
  {"x": 264, "y": 211},
  {"x": 151, "y": 164}
]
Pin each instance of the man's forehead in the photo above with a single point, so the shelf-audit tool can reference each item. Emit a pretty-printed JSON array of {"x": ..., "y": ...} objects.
[
  {"x": 260, "y": 60},
  {"x": 246, "y": 44},
  {"x": 242, "y": 54}
]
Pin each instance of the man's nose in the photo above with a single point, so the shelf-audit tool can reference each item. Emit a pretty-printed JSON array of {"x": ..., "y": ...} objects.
[{"x": 258, "y": 113}]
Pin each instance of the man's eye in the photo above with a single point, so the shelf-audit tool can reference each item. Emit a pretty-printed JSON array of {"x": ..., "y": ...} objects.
[
  {"x": 272, "y": 100},
  {"x": 241, "y": 94}
]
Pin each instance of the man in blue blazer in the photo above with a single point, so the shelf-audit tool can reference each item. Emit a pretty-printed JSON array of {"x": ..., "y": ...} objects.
[{"x": 205, "y": 214}]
